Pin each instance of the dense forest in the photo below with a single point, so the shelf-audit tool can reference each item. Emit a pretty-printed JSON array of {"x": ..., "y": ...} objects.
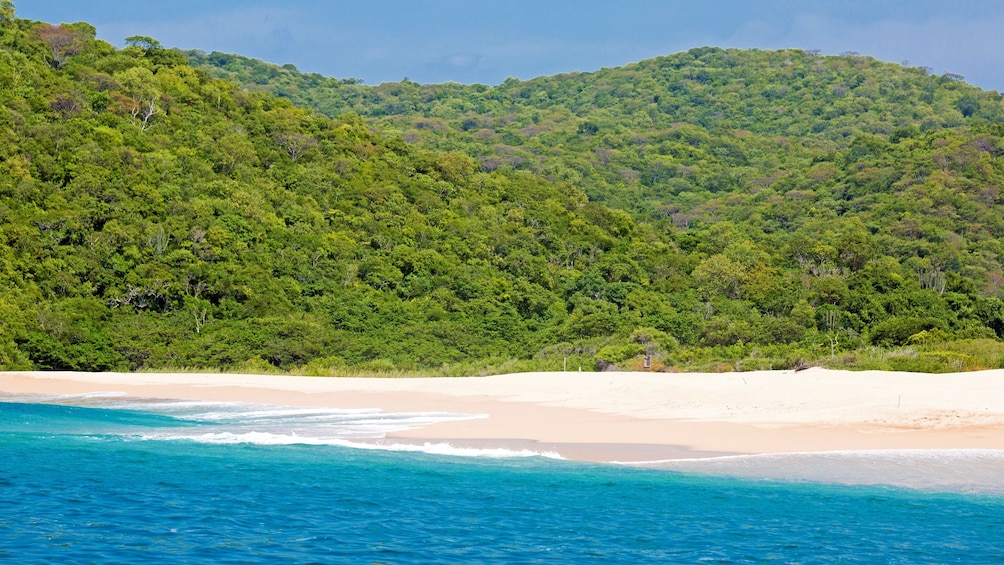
[{"x": 713, "y": 210}]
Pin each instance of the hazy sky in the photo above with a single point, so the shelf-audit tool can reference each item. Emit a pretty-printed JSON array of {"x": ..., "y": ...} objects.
[{"x": 484, "y": 41}]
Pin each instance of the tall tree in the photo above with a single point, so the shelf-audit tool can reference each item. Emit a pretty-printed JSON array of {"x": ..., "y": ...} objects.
[{"x": 63, "y": 41}]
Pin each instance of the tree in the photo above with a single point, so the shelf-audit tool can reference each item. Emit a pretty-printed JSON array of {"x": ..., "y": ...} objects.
[
  {"x": 294, "y": 144},
  {"x": 232, "y": 149},
  {"x": 147, "y": 44},
  {"x": 855, "y": 246},
  {"x": 720, "y": 276},
  {"x": 63, "y": 41},
  {"x": 654, "y": 341},
  {"x": 141, "y": 95},
  {"x": 6, "y": 11},
  {"x": 831, "y": 323}
]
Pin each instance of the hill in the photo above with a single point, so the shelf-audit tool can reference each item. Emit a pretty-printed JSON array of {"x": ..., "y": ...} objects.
[
  {"x": 705, "y": 121},
  {"x": 823, "y": 167},
  {"x": 156, "y": 216}
]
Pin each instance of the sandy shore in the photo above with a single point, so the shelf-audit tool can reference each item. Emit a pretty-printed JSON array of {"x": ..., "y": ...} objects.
[{"x": 623, "y": 416}]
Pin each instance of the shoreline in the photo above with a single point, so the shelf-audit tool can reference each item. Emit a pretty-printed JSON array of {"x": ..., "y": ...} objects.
[{"x": 627, "y": 417}]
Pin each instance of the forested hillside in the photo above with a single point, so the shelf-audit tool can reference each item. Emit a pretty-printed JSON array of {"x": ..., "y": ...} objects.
[
  {"x": 815, "y": 169},
  {"x": 702, "y": 122},
  {"x": 714, "y": 209}
]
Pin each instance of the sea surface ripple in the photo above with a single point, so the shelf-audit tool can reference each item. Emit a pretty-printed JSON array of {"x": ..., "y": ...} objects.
[{"x": 82, "y": 484}]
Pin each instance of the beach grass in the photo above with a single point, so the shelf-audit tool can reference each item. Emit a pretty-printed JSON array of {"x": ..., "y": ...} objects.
[{"x": 941, "y": 357}]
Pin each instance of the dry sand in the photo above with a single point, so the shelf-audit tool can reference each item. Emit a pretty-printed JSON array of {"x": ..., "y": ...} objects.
[{"x": 623, "y": 416}]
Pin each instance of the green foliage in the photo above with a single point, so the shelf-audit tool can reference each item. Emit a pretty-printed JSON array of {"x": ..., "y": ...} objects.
[
  {"x": 902, "y": 330},
  {"x": 6, "y": 12},
  {"x": 715, "y": 209},
  {"x": 613, "y": 354}
]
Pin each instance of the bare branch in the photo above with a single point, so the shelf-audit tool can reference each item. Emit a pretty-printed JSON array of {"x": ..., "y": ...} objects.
[{"x": 295, "y": 144}]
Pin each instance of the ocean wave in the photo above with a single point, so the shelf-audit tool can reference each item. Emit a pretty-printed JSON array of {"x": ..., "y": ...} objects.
[
  {"x": 242, "y": 418},
  {"x": 438, "y": 448}
]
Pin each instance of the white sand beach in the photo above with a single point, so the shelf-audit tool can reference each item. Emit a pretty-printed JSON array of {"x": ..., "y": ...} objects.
[{"x": 622, "y": 416}]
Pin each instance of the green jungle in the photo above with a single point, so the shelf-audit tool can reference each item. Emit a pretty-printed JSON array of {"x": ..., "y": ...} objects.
[{"x": 713, "y": 210}]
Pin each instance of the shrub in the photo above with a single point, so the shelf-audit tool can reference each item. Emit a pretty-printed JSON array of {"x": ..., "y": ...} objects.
[
  {"x": 898, "y": 330},
  {"x": 614, "y": 354}
]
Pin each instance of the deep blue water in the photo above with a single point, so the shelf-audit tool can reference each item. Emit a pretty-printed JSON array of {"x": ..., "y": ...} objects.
[{"x": 113, "y": 485}]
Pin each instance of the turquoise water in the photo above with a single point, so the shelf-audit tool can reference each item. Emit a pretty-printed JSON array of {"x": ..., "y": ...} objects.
[{"x": 106, "y": 480}]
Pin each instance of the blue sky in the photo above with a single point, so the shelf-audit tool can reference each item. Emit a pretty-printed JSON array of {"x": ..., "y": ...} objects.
[{"x": 470, "y": 41}]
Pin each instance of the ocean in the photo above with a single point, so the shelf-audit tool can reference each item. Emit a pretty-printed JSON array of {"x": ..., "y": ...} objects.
[{"x": 111, "y": 479}]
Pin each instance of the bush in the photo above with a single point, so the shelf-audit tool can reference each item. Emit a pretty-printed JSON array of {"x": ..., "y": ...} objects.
[
  {"x": 932, "y": 362},
  {"x": 929, "y": 336},
  {"x": 614, "y": 354},
  {"x": 897, "y": 330},
  {"x": 322, "y": 367},
  {"x": 256, "y": 366}
]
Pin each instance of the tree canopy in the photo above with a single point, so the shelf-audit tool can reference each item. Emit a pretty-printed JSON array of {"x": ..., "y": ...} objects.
[{"x": 715, "y": 209}]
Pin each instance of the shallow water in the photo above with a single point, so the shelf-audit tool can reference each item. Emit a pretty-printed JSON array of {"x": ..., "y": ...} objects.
[
  {"x": 109, "y": 479},
  {"x": 972, "y": 471}
]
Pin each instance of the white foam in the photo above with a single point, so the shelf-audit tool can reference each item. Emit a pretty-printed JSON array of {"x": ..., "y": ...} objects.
[
  {"x": 246, "y": 411},
  {"x": 266, "y": 438},
  {"x": 243, "y": 417}
]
